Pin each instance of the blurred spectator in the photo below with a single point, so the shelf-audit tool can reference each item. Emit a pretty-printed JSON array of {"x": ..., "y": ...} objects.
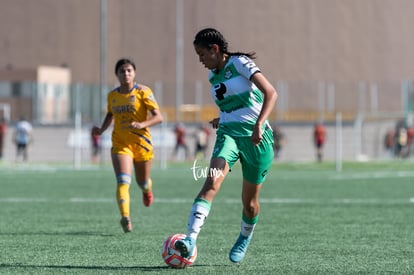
[
  {"x": 410, "y": 137},
  {"x": 401, "y": 139},
  {"x": 3, "y": 128},
  {"x": 389, "y": 142},
  {"x": 279, "y": 140},
  {"x": 319, "y": 138},
  {"x": 96, "y": 147},
  {"x": 22, "y": 138},
  {"x": 202, "y": 140},
  {"x": 180, "y": 140}
]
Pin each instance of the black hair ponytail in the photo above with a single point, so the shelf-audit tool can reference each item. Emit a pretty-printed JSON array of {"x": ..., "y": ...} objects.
[{"x": 209, "y": 36}]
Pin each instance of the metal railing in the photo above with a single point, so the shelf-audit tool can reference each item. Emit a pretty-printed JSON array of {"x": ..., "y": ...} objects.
[{"x": 298, "y": 100}]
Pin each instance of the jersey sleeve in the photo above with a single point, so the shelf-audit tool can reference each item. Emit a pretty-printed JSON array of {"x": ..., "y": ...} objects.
[
  {"x": 108, "y": 102},
  {"x": 245, "y": 66},
  {"x": 148, "y": 99}
]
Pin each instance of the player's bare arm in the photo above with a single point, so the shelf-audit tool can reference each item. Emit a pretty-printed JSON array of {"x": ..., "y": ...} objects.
[
  {"x": 155, "y": 118},
  {"x": 105, "y": 124},
  {"x": 270, "y": 97}
]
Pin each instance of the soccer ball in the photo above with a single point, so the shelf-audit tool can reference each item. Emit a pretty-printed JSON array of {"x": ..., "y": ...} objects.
[{"x": 172, "y": 256}]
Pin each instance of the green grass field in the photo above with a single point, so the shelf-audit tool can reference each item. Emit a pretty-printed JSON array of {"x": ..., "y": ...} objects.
[{"x": 313, "y": 220}]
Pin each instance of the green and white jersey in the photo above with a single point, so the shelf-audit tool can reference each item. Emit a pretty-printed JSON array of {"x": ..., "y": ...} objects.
[{"x": 239, "y": 99}]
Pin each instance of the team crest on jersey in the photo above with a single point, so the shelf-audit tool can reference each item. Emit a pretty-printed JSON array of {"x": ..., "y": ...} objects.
[
  {"x": 228, "y": 74},
  {"x": 132, "y": 98}
]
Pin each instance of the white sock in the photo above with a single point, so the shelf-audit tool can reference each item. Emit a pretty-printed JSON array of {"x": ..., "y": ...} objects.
[
  {"x": 198, "y": 216},
  {"x": 246, "y": 229}
]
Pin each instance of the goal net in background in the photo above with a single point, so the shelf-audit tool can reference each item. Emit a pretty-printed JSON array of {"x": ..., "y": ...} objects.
[
  {"x": 372, "y": 130},
  {"x": 5, "y": 111}
]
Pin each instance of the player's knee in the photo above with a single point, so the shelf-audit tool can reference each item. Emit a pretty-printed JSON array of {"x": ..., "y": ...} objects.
[{"x": 123, "y": 178}]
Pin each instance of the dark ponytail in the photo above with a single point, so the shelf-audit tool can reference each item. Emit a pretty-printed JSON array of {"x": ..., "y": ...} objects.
[{"x": 209, "y": 36}]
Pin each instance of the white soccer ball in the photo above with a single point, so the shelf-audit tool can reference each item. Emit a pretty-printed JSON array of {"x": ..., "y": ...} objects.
[{"x": 172, "y": 256}]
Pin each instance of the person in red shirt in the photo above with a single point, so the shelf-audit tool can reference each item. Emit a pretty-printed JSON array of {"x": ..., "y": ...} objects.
[
  {"x": 389, "y": 142},
  {"x": 202, "y": 136},
  {"x": 96, "y": 147},
  {"x": 319, "y": 138},
  {"x": 410, "y": 137},
  {"x": 3, "y": 127},
  {"x": 180, "y": 134}
]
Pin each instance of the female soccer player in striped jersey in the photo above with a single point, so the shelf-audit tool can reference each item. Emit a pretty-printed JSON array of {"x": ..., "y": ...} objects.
[
  {"x": 245, "y": 99},
  {"x": 133, "y": 109}
]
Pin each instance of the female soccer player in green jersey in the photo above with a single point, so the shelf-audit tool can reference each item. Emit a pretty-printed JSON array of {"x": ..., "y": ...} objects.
[{"x": 245, "y": 99}]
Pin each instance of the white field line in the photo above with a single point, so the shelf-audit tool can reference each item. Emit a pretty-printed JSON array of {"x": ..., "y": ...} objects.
[
  {"x": 374, "y": 175},
  {"x": 225, "y": 201}
]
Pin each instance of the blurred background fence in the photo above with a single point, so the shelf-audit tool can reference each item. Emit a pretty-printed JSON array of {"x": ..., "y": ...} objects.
[
  {"x": 304, "y": 101},
  {"x": 63, "y": 115}
]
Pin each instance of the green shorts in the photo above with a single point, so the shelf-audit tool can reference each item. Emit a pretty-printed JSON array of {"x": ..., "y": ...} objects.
[{"x": 255, "y": 160}]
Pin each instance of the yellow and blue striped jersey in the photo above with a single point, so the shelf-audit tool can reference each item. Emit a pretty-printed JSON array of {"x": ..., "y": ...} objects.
[{"x": 126, "y": 108}]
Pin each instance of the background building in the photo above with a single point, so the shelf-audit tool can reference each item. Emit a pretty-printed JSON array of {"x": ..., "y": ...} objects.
[
  {"x": 324, "y": 56},
  {"x": 42, "y": 92}
]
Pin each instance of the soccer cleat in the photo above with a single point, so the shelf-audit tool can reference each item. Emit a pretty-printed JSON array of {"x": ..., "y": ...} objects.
[
  {"x": 185, "y": 247},
  {"x": 147, "y": 195},
  {"x": 147, "y": 198},
  {"x": 126, "y": 224},
  {"x": 239, "y": 249}
]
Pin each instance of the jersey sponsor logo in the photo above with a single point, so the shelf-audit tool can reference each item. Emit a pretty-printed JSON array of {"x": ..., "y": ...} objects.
[
  {"x": 123, "y": 109},
  {"x": 229, "y": 104},
  {"x": 220, "y": 90},
  {"x": 232, "y": 107},
  {"x": 248, "y": 63}
]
